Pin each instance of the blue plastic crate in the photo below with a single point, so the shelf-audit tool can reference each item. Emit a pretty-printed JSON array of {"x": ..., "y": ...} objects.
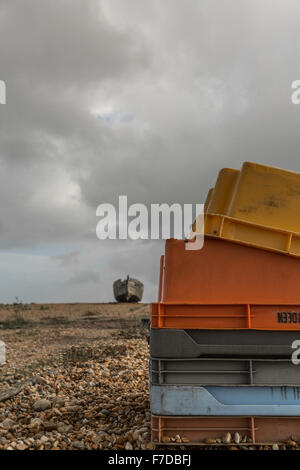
[{"x": 224, "y": 401}]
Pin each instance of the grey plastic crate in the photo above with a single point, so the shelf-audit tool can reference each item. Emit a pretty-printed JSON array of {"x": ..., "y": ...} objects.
[
  {"x": 221, "y": 343},
  {"x": 224, "y": 372}
]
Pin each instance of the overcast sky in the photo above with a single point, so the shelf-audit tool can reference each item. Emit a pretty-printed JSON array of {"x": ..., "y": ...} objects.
[{"x": 146, "y": 98}]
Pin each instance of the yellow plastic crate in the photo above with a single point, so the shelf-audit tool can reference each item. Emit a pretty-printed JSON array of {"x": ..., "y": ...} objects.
[
  {"x": 257, "y": 206},
  {"x": 222, "y": 194}
]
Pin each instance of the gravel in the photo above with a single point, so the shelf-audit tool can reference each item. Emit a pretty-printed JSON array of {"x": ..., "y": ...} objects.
[
  {"x": 85, "y": 387},
  {"x": 99, "y": 403}
]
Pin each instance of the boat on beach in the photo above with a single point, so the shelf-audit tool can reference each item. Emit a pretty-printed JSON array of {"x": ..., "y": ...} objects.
[{"x": 128, "y": 290}]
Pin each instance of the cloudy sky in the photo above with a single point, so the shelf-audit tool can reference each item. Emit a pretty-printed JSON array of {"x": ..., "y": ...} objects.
[{"x": 144, "y": 98}]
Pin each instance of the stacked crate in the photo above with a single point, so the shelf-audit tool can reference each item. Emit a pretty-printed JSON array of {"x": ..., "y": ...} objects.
[{"x": 227, "y": 316}]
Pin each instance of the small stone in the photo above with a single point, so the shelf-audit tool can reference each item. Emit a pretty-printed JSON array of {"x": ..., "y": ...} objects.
[
  {"x": 8, "y": 423},
  {"x": 136, "y": 435},
  {"x": 63, "y": 428},
  {"x": 50, "y": 426},
  {"x": 36, "y": 422},
  {"x": 142, "y": 430},
  {"x": 150, "y": 446},
  {"x": 21, "y": 447},
  {"x": 128, "y": 446},
  {"x": 78, "y": 445},
  {"x": 166, "y": 439},
  {"x": 275, "y": 447},
  {"x": 42, "y": 405},
  {"x": 210, "y": 441},
  {"x": 39, "y": 380},
  {"x": 227, "y": 438},
  {"x": 237, "y": 438},
  {"x": 291, "y": 443}
]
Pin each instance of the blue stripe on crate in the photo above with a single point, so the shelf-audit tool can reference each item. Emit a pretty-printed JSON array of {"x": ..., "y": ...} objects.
[
  {"x": 225, "y": 401},
  {"x": 255, "y": 395}
]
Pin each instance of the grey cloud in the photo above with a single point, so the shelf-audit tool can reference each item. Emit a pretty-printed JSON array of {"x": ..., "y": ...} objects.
[
  {"x": 83, "y": 277},
  {"x": 68, "y": 259},
  {"x": 207, "y": 85}
]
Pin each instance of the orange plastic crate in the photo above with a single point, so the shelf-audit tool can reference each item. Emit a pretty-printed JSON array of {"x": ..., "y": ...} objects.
[
  {"x": 196, "y": 430},
  {"x": 227, "y": 286},
  {"x": 225, "y": 316}
]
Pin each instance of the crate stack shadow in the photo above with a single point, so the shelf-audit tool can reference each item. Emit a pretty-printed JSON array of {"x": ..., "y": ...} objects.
[{"x": 223, "y": 329}]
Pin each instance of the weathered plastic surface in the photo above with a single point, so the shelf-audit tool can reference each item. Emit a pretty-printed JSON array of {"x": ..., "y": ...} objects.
[
  {"x": 195, "y": 430},
  {"x": 258, "y": 206},
  {"x": 227, "y": 286},
  {"x": 173, "y": 343},
  {"x": 223, "y": 272},
  {"x": 207, "y": 201},
  {"x": 221, "y": 196},
  {"x": 224, "y": 401},
  {"x": 263, "y": 195},
  {"x": 246, "y": 233},
  {"x": 252, "y": 372},
  {"x": 231, "y": 317},
  {"x": 226, "y": 317}
]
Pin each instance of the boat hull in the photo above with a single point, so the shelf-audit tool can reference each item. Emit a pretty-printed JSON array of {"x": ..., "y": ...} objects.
[{"x": 129, "y": 290}]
